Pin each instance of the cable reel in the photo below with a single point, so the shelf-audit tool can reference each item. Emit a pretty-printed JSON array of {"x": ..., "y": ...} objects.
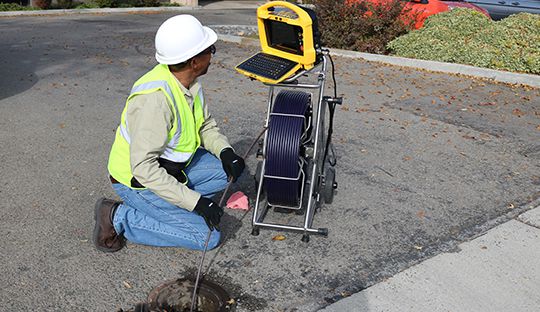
[
  {"x": 296, "y": 171},
  {"x": 285, "y": 162}
]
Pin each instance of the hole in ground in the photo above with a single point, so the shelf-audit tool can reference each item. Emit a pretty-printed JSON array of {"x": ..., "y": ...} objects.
[{"x": 175, "y": 296}]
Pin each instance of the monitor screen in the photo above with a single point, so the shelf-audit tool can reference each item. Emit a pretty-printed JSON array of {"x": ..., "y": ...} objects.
[{"x": 284, "y": 37}]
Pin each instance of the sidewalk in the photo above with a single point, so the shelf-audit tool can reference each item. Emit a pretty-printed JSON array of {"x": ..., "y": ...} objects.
[{"x": 498, "y": 271}]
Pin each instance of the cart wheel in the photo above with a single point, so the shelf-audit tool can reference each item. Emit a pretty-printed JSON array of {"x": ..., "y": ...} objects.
[
  {"x": 255, "y": 231},
  {"x": 330, "y": 185},
  {"x": 305, "y": 238}
]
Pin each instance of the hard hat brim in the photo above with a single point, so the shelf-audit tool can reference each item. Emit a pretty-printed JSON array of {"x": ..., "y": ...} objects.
[{"x": 210, "y": 39}]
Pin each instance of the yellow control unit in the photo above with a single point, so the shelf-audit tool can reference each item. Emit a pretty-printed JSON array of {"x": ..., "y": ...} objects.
[{"x": 289, "y": 41}]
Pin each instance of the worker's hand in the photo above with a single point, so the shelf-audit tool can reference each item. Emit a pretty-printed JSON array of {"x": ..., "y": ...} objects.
[
  {"x": 232, "y": 163},
  {"x": 210, "y": 211}
]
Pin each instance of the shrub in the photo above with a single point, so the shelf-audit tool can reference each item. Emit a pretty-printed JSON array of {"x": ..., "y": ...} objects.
[
  {"x": 362, "y": 25},
  {"x": 15, "y": 7},
  {"x": 148, "y": 3},
  {"x": 86, "y": 6},
  {"x": 42, "y": 4},
  {"x": 468, "y": 37},
  {"x": 106, "y": 3},
  {"x": 169, "y": 4},
  {"x": 65, "y": 4},
  {"x": 126, "y": 3}
]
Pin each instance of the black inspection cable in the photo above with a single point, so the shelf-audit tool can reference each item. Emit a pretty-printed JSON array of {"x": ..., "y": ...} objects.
[
  {"x": 195, "y": 288},
  {"x": 331, "y": 110},
  {"x": 286, "y": 126}
]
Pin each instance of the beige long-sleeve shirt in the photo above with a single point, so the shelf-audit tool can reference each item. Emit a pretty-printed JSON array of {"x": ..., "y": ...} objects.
[{"x": 150, "y": 119}]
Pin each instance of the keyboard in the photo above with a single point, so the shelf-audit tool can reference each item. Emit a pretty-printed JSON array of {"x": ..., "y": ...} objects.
[{"x": 267, "y": 65}]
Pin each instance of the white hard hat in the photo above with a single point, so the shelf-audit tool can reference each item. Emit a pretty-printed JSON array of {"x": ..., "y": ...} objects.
[{"x": 180, "y": 38}]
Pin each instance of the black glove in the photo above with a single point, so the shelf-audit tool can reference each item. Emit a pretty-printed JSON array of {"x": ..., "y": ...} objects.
[
  {"x": 232, "y": 163},
  {"x": 210, "y": 211}
]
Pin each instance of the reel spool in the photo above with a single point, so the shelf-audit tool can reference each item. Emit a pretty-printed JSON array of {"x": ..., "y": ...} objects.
[{"x": 284, "y": 167}]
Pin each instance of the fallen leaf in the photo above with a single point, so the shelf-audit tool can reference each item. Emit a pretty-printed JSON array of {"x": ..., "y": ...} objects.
[
  {"x": 484, "y": 136},
  {"x": 62, "y": 125},
  {"x": 483, "y": 247},
  {"x": 421, "y": 214},
  {"x": 406, "y": 158},
  {"x": 345, "y": 294},
  {"x": 518, "y": 112},
  {"x": 127, "y": 285},
  {"x": 278, "y": 237}
]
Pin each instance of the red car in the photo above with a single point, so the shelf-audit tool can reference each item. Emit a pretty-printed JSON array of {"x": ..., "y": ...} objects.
[{"x": 426, "y": 8}]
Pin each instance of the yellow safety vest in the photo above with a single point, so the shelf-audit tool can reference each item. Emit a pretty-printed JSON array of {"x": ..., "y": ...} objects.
[{"x": 183, "y": 138}]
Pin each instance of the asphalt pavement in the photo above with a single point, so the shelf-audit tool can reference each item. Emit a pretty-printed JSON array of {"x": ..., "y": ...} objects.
[{"x": 428, "y": 163}]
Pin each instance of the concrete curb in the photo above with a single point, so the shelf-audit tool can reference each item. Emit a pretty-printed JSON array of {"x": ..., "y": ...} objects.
[
  {"x": 95, "y": 11},
  {"x": 458, "y": 69},
  {"x": 238, "y": 39}
]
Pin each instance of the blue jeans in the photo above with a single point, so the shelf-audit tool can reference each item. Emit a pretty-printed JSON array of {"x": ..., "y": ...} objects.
[{"x": 145, "y": 218}]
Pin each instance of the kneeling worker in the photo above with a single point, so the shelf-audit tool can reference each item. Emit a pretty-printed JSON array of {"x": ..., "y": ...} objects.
[{"x": 163, "y": 160}]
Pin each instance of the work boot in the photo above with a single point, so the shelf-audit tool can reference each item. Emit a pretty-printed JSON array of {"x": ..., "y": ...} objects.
[{"x": 105, "y": 237}]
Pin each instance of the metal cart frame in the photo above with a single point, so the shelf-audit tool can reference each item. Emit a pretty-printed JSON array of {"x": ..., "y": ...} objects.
[{"x": 315, "y": 155}]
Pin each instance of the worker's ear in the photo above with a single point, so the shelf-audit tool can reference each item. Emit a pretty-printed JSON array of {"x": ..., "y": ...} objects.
[{"x": 196, "y": 63}]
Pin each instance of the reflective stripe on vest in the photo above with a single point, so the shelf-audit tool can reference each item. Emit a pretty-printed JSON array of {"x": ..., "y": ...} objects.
[
  {"x": 169, "y": 152},
  {"x": 183, "y": 137}
]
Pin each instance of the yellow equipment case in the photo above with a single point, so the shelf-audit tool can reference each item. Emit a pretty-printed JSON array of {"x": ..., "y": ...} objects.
[{"x": 289, "y": 38}]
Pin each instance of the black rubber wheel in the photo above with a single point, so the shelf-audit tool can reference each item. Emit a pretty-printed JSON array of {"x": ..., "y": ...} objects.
[
  {"x": 255, "y": 231},
  {"x": 328, "y": 188},
  {"x": 305, "y": 238}
]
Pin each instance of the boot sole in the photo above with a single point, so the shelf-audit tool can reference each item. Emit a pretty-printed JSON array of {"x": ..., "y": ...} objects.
[{"x": 96, "y": 229}]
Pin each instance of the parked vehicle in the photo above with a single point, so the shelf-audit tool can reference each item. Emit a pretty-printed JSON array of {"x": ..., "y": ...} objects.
[
  {"x": 422, "y": 9},
  {"x": 499, "y": 9}
]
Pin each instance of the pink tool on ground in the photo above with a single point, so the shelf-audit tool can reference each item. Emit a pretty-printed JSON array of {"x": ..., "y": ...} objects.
[{"x": 238, "y": 200}]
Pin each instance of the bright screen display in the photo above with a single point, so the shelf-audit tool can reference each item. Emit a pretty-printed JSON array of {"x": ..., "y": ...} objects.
[{"x": 284, "y": 37}]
